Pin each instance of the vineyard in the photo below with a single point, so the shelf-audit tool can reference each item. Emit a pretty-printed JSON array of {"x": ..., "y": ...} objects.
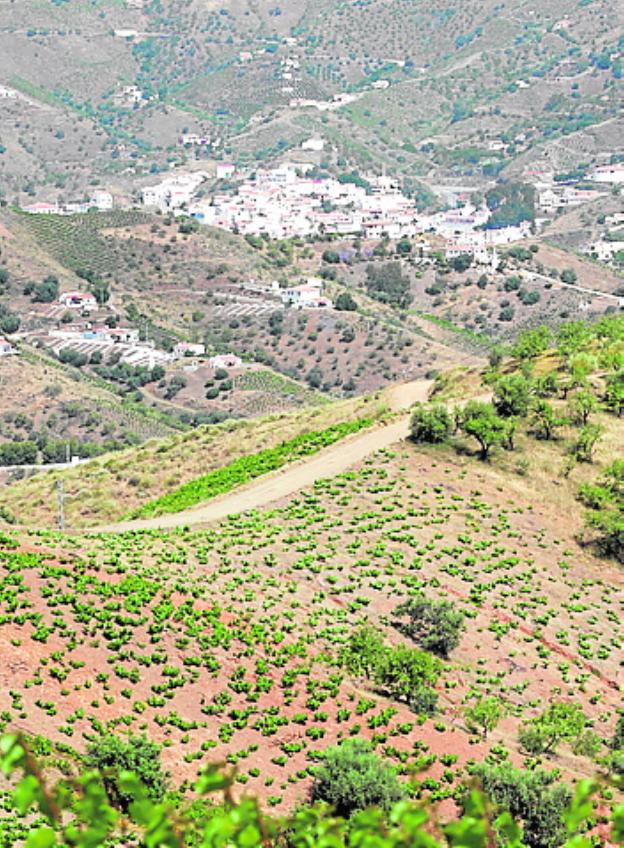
[
  {"x": 246, "y": 468},
  {"x": 226, "y": 644},
  {"x": 78, "y": 241}
]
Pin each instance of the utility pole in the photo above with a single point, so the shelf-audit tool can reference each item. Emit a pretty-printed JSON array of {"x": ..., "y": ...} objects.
[{"x": 61, "y": 504}]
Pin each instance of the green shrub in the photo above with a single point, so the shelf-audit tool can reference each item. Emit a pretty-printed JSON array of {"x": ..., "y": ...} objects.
[
  {"x": 353, "y": 778},
  {"x": 430, "y": 424}
]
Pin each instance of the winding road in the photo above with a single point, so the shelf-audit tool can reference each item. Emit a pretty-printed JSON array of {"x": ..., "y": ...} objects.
[{"x": 288, "y": 480}]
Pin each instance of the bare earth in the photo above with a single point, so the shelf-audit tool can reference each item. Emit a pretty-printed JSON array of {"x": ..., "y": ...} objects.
[{"x": 285, "y": 482}]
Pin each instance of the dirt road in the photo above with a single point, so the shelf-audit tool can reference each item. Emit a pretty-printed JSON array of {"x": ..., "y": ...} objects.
[{"x": 287, "y": 481}]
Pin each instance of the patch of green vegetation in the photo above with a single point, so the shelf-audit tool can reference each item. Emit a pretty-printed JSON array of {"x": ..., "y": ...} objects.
[{"x": 247, "y": 468}]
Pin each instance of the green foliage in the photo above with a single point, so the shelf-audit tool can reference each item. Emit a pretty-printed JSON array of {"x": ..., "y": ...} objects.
[
  {"x": 386, "y": 283},
  {"x": 560, "y": 722},
  {"x": 430, "y": 424},
  {"x": 364, "y": 651},
  {"x": 112, "y": 755},
  {"x": 605, "y": 500},
  {"x": 46, "y": 291},
  {"x": 484, "y": 715},
  {"x": 249, "y": 467},
  {"x": 480, "y": 420},
  {"x": 544, "y": 419},
  {"x": 408, "y": 674},
  {"x": 405, "y": 674},
  {"x": 353, "y": 778},
  {"x": 531, "y": 343},
  {"x": 583, "y": 446},
  {"x": 79, "y": 813},
  {"x": 614, "y": 392},
  {"x": 435, "y": 626},
  {"x": 345, "y": 302},
  {"x": 512, "y": 396},
  {"x": 581, "y": 405},
  {"x": 531, "y": 796}
]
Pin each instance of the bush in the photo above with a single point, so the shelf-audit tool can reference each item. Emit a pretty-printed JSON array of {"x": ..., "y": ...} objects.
[
  {"x": 533, "y": 797},
  {"x": 605, "y": 500},
  {"x": 479, "y": 420},
  {"x": 558, "y": 723},
  {"x": 353, "y": 778},
  {"x": 512, "y": 395},
  {"x": 430, "y": 424},
  {"x": 345, "y": 303},
  {"x": 111, "y": 755},
  {"x": 434, "y": 625}
]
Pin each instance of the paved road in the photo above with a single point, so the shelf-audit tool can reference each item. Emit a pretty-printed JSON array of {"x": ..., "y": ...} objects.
[{"x": 292, "y": 478}]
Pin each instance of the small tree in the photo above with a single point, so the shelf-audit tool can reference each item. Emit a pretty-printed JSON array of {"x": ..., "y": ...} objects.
[
  {"x": 544, "y": 419},
  {"x": 435, "y": 626},
  {"x": 345, "y": 302},
  {"x": 614, "y": 393},
  {"x": 512, "y": 395},
  {"x": 582, "y": 448},
  {"x": 430, "y": 424},
  {"x": 605, "y": 500},
  {"x": 484, "y": 715},
  {"x": 569, "y": 276},
  {"x": 558, "y": 723},
  {"x": 353, "y": 778},
  {"x": 364, "y": 651},
  {"x": 532, "y": 796},
  {"x": 408, "y": 674},
  {"x": 581, "y": 406},
  {"x": 531, "y": 343},
  {"x": 480, "y": 421},
  {"x": 111, "y": 755}
]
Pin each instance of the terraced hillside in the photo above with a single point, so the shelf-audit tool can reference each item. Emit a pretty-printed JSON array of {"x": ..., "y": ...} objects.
[
  {"x": 452, "y": 598},
  {"x": 226, "y": 643},
  {"x": 238, "y": 75}
]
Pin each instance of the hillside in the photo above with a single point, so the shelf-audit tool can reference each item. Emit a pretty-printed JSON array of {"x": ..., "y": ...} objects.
[
  {"x": 104, "y": 91},
  {"x": 236, "y": 642}
]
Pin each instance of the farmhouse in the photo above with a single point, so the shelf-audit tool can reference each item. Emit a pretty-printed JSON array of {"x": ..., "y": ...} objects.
[
  {"x": 308, "y": 296},
  {"x": 608, "y": 173},
  {"x": 189, "y": 349},
  {"x": 78, "y": 300},
  {"x": 225, "y": 360}
]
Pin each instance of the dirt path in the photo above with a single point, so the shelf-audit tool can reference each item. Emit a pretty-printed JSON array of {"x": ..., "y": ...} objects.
[{"x": 287, "y": 481}]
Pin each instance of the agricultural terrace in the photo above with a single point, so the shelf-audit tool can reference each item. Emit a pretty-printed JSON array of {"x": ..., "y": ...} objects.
[
  {"x": 114, "y": 485},
  {"x": 78, "y": 241},
  {"x": 227, "y": 643}
]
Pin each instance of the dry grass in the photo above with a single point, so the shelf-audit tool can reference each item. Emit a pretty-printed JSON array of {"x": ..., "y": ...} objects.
[{"x": 107, "y": 488}]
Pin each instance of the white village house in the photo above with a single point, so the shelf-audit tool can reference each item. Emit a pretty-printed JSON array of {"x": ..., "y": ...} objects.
[
  {"x": 188, "y": 349},
  {"x": 225, "y": 360},
  {"x": 78, "y": 300},
  {"x": 307, "y": 296}
]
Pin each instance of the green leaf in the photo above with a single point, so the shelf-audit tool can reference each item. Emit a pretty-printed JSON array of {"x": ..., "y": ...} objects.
[
  {"x": 26, "y": 793},
  {"x": 44, "y": 837}
]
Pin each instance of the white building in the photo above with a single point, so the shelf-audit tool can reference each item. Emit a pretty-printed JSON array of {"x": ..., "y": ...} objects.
[
  {"x": 173, "y": 192},
  {"x": 78, "y": 300},
  {"x": 314, "y": 144},
  {"x": 102, "y": 200},
  {"x": 188, "y": 349},
  {"x": 225, "y": 360},
  {"x": 608, "y": 173},
  {"x": 308, "y": 296}
]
